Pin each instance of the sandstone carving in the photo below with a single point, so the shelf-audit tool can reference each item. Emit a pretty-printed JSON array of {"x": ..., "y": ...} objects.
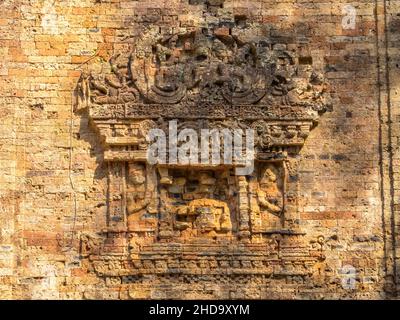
[
  {"x": 194, "y": 68},
  {"x": 269, "y": 196},
  {"x": 164, "y": 217},
  {"x": 209, "y": 216},
  {"x": 137, "y": 194}
]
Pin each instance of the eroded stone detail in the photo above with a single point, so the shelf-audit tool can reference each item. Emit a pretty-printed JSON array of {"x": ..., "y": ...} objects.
[{"x": 204, "y": 67}]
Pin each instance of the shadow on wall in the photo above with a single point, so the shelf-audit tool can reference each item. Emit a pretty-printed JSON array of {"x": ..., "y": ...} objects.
[{"x": 87, "y": 133}]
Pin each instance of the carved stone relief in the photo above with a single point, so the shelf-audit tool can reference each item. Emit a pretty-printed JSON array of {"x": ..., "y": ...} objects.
[{"x": 162, "y": 218}]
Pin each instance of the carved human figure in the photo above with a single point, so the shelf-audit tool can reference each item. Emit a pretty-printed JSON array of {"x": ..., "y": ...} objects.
[
  {"x": 263, "y": 134},
  {"x": 207, "y": 216},
  {"x": 281, "y": 86},
  {"x": 221, "y": 59},
  {"x": 84, "y": 90},
  {"x": 89, "y": 244},
  {"x": 199, "y": 65},
  {"x": 137, "y": 194},
  {"x": 100, "y": 90},
  {"x": 119, "y": 81},
  {"x": 98, "y": 85},
  {"x": 120, "y": 69},
  {"x": 212, "y": 215},
  {"x": 244, "y": 80},
  {"x": 221, "y": 52},
  {"x": 166, "y": 54},
  {"x": 168, "y": 73},
  {"x": 269, "y": 196},
  {"x": 242, "y": 72},
  {"x": 282, "y": 82},
  {"x": 204, "y": 215},
  {"x": 166, "y": 79},
  {"x": 241, "y": 80}
]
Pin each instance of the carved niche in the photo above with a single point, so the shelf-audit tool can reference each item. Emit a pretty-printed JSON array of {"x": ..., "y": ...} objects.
[{"x": 163, "y": 218}]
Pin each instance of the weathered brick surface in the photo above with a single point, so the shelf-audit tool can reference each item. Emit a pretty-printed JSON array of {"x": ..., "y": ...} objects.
[{"x": 53, "y": 177}]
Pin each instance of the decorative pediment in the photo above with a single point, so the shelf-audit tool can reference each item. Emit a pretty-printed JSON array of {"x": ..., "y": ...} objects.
[
  {"x": 217, "y": 73},
  {"x": 205, "y": 68}
]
